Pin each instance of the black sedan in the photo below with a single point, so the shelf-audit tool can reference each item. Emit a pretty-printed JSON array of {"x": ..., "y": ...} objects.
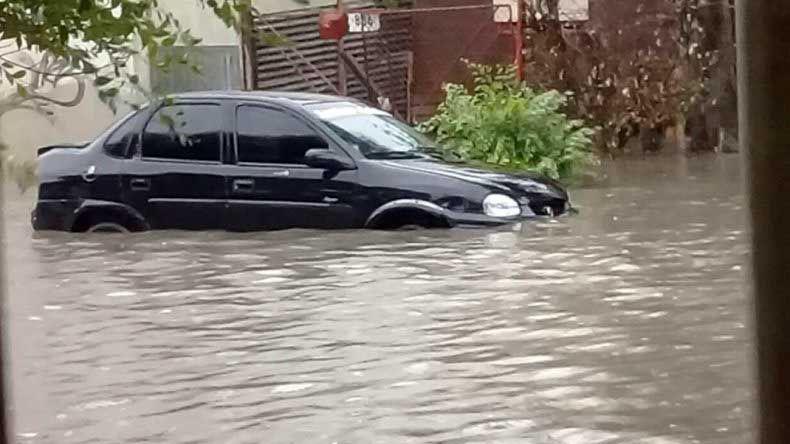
[{"x": 264, "y": 161}]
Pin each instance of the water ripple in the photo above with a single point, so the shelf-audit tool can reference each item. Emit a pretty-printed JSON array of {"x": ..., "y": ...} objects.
[{"x": 624, "y": 324}]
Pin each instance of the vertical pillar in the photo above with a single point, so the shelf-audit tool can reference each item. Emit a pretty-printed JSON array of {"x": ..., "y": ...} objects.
[
  {"x": 342, "y": 74},
  {"x": 764, "y": 117},
  {"x": 519, "y": 39}
]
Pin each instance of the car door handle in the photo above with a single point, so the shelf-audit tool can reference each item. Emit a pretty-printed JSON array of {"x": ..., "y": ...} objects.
[
  {"x": 280, "y": 173},
  {"x": 140, "y": 184},
  {"x": 243, "y": 185}
]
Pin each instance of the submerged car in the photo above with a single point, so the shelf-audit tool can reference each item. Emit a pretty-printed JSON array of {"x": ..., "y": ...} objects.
[{"x": 266, "y": 161}]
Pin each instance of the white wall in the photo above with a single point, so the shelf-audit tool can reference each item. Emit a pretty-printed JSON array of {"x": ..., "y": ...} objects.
[
  {"x": 206, "y": 25},
  {"x": 23, "y": 131},
  {"x": 201, "y": 21},
  {"x": 269, "y": 6}
]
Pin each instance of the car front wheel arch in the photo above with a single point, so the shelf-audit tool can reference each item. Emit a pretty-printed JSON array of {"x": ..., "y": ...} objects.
[{"x": 407, "y": 217}]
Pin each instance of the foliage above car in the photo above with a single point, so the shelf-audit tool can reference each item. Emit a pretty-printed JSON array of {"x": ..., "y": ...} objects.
[{"x": 505, "y": 123}]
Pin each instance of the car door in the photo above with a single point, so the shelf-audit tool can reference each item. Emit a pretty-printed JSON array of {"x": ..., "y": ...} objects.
[
  {"x": 272, "y": 188},
  {"x": 177, "y": 178},
  {"x": 104, "y": 175}
]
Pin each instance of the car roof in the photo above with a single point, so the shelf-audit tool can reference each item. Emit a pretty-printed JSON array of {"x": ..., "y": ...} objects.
[{"x": 295, "y": 98}]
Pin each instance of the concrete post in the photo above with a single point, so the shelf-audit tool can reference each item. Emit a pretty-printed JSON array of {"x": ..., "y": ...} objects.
[{"x": 764, "y": 118}]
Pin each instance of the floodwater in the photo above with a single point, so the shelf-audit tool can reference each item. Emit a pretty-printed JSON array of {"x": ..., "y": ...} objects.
[{"x": 628, "y": 323}]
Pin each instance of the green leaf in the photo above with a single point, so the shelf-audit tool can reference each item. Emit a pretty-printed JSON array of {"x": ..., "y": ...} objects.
[
  {"x": 167, "y": 120},
  {"x": 111, "y": 92},
  {"x": 101, "y": 81},
  {"x": 272, "y": 39},
  {"x": 21, "y": 90},
  {"x": 19, "y": 74},
  {"x": 226, "y": 13},
  {"x": 153, "y": 50},
  {"x": 501, "y": 122}
]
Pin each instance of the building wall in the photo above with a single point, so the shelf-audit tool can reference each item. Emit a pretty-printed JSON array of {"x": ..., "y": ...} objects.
[
  {"x": 23, "y": 131},
  {"x": 270, "y": 6},
  {"x": 201, "y": 21},
  {"x": 442, "y": 39}
]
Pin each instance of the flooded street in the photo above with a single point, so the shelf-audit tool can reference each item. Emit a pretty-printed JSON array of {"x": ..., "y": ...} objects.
[{"x": 628, "y": 323}]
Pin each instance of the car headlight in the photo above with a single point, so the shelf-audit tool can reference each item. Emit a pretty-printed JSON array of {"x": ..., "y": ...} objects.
[{"x": 499, "y": 205}]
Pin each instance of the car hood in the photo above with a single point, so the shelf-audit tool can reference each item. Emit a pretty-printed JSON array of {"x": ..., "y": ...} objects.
[{"x": 520, "y": 183}]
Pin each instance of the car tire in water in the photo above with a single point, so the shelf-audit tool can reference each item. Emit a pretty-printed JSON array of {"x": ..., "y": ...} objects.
[
  {"x": 411, "y": 227},
  {"x": 108, "y": 227},
  {"x": 103, "y": 221},
  {"x": 408, "y": 219}
]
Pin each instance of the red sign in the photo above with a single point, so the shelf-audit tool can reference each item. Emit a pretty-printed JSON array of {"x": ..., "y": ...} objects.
[{"x": 332, "y": 24}]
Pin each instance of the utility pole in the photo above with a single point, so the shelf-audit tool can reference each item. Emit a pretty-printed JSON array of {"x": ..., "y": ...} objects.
[
  {"x": 342, "y": 76},
  {"x": 764, "y": 94},
  {"x": 519, "y": 40},
  {"x": 4, "y": 371}
]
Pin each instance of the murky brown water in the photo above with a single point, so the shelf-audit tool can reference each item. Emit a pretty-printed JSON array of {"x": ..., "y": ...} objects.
[{"x": 626, "y": 324}]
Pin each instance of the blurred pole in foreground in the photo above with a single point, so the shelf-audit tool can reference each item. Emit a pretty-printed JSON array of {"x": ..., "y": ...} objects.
[
  {"x": 764, "y": 92},
  {"x": 4, "y": 382}
]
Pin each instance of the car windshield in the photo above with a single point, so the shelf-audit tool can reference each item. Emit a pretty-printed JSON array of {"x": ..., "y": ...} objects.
[{"x": 376, "y": 134}]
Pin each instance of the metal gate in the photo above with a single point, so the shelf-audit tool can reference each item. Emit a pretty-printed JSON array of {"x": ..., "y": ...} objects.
[{"x": 285, "y": 53}]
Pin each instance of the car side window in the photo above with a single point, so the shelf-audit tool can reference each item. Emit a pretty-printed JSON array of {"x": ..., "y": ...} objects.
[
  {"x": 266, "y": 135},
  {"x": 184, "y": 132},
  {"x": 124, "y": 136}
]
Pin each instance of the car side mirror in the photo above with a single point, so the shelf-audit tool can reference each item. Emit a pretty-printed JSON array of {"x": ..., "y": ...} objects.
[{"x": 326, "y": 159}]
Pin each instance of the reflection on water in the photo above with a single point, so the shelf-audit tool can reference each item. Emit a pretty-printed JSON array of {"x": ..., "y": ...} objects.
[{"x": 625, "y": 324}]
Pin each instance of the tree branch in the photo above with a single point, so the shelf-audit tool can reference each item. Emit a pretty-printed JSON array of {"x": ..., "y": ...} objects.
[
  {"x": 15, "y": 101},
  {"x": 64, "y": 74},
  {"x": 10, "y": 52},
  {"x": 35, "y": 81},
  {"x": 64, "y": 103}
]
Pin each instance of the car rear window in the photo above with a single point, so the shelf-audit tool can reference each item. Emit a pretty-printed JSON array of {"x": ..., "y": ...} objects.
[{"x": 125, "y": 136}]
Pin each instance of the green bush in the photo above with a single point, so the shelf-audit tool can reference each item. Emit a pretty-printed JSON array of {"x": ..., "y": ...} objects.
[{"x": 502, "y": 122}]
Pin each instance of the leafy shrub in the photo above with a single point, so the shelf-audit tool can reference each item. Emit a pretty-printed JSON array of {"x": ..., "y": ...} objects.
[{"x": 503, "y": 122}]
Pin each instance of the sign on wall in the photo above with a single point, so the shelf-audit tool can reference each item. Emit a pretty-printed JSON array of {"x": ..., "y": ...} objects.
[
  {"x": 364, "y": 22},
  {"x": 573, "y": 10},
  {"x": 505, "y": 11},
  {"x": 567, "y": 10}
]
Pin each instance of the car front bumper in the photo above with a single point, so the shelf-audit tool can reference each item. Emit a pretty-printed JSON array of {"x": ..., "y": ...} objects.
[{"x": 461, "y": 219}]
